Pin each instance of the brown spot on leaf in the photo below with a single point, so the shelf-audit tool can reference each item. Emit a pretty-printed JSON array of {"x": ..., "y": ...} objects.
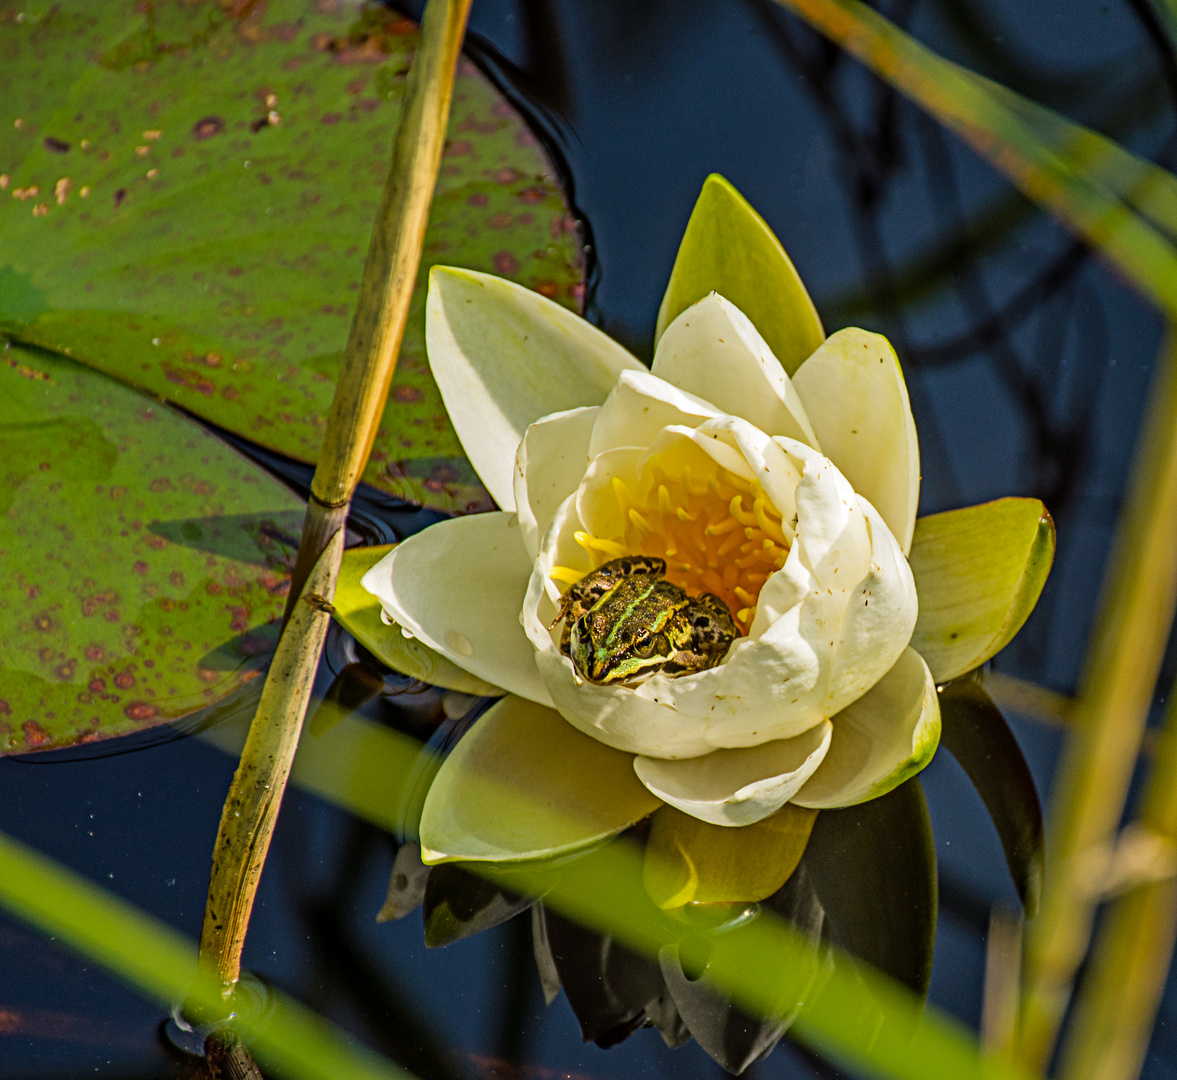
[
  {"x": 407, "y": 394},
  {"x": 141, "y": 710},
  {"x": 58, "y": 146},
  {"x": 44, "y": 621},
  {"x": 505, "y": 264},
  {"x": 35, "y": 735},
  {"x": 124, "y": 680},
  {"x": 207, "y": 127}
]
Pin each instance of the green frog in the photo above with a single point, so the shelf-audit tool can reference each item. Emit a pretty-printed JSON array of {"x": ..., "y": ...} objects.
[{"x": 625, "y": 621}]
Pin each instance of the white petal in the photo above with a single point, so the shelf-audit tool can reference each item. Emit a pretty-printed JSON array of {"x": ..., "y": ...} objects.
[
  {"x": 640, "y": 406},
  {"x": 737, "y": 787},
  {"x": 778, "y": 472},
  {"x": 549, "y": 465},
  {"x": 880, "y": 617},
  {"x": 597, "y": 505},
  {"x": 503, "y": 356},
  {"x": 831, "y": 528},
  {"x": 523, "y": 784},
  {"x": 880, "y": 740},
  {"x": 459, "y": 586},
  {"x": 776, "y": 686},
  {"x": 627, "y": 718},
  {"x": 713, "y": 350},
  {"x": 855, "y": 396}
]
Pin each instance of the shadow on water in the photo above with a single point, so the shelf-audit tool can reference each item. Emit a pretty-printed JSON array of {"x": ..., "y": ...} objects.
[{"x": 1027, "y": 363}]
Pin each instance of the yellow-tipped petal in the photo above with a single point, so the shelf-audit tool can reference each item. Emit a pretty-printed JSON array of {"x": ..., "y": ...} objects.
[
  {"x": 887, "y": 735},
  {"x": 691, "y": 861}
]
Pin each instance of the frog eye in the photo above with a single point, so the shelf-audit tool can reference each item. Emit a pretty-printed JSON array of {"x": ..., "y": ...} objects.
[{"x": 645, "y": 644}]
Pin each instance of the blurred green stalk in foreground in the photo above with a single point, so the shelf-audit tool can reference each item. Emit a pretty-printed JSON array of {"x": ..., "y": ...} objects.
[
  {"x": 853, "y": 1014},
  {"x": 161, "y": 963}
]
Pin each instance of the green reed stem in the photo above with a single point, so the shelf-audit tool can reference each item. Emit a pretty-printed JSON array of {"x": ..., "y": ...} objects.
[
  {"x": 1117, "y": 1005},
  {"x": 390, "y": 274}
]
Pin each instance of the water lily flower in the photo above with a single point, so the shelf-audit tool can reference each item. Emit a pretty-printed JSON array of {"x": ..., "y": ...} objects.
[{"x": 787, "y": 485}]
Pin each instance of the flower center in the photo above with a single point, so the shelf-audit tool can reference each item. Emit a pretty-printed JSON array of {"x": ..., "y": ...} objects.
[{"x": 718, "y": 533}]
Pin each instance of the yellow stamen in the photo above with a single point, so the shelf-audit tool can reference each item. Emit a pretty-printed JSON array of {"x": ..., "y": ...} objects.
[{"x": 719, "y": 532}]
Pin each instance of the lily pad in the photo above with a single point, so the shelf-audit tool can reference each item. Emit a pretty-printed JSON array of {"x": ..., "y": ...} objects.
[
  {"x": 186, "y": 196},
  {"x": 145, "y": 562}
]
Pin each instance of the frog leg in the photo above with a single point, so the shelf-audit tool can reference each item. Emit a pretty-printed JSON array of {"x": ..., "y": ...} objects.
[{"x": 713, "y": 624}]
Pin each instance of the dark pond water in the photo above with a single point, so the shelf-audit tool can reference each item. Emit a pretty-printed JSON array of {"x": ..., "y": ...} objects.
[{"x": 1028, "y": 363}]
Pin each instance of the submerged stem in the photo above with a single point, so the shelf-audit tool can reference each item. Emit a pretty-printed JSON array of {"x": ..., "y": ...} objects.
[{"x": 390, "y": 274}]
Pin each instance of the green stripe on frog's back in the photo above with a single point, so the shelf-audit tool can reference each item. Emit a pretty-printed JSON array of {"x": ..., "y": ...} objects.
[{"x": 624, "y": 621}]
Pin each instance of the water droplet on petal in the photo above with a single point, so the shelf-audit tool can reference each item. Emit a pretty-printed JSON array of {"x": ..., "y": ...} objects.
[{"x": 460, "y": 643}]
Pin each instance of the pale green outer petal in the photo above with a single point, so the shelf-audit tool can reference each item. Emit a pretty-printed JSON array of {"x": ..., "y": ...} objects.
[
  {"x": 459, "y": 587},
  {"x": 737, "y": 787},
  {"x": 523, "y": 784},
  {"x": 640, "y": 406},
  {"x": 713, "y": 350},
  {"x": 887, "y": 735},
  {"x": 979, "y": 571},
  {"x": 503, "y": 356},
  {"x": 854, "y": 394},
  {"x": 879, "y": 618},
  {"x": 359, "y": 613},
  {"x": 550, "y": 463},
  {"x": 728, "y": 248}
]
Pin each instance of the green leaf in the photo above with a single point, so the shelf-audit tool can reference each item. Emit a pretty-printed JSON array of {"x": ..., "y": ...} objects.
[
  {"x": 874, "y": 868},
  {"x": 976, "y": 734},
  {"x": 523, "y": 783},
  {"x": 145, "y": 562},
  {"x": 180, "y": 240},
  {"x": 979, "y": 572},
  {"x": 693, "y": 861},
  {"x": 729, "y": 249},
  {"x": 359, "y": 613}
]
